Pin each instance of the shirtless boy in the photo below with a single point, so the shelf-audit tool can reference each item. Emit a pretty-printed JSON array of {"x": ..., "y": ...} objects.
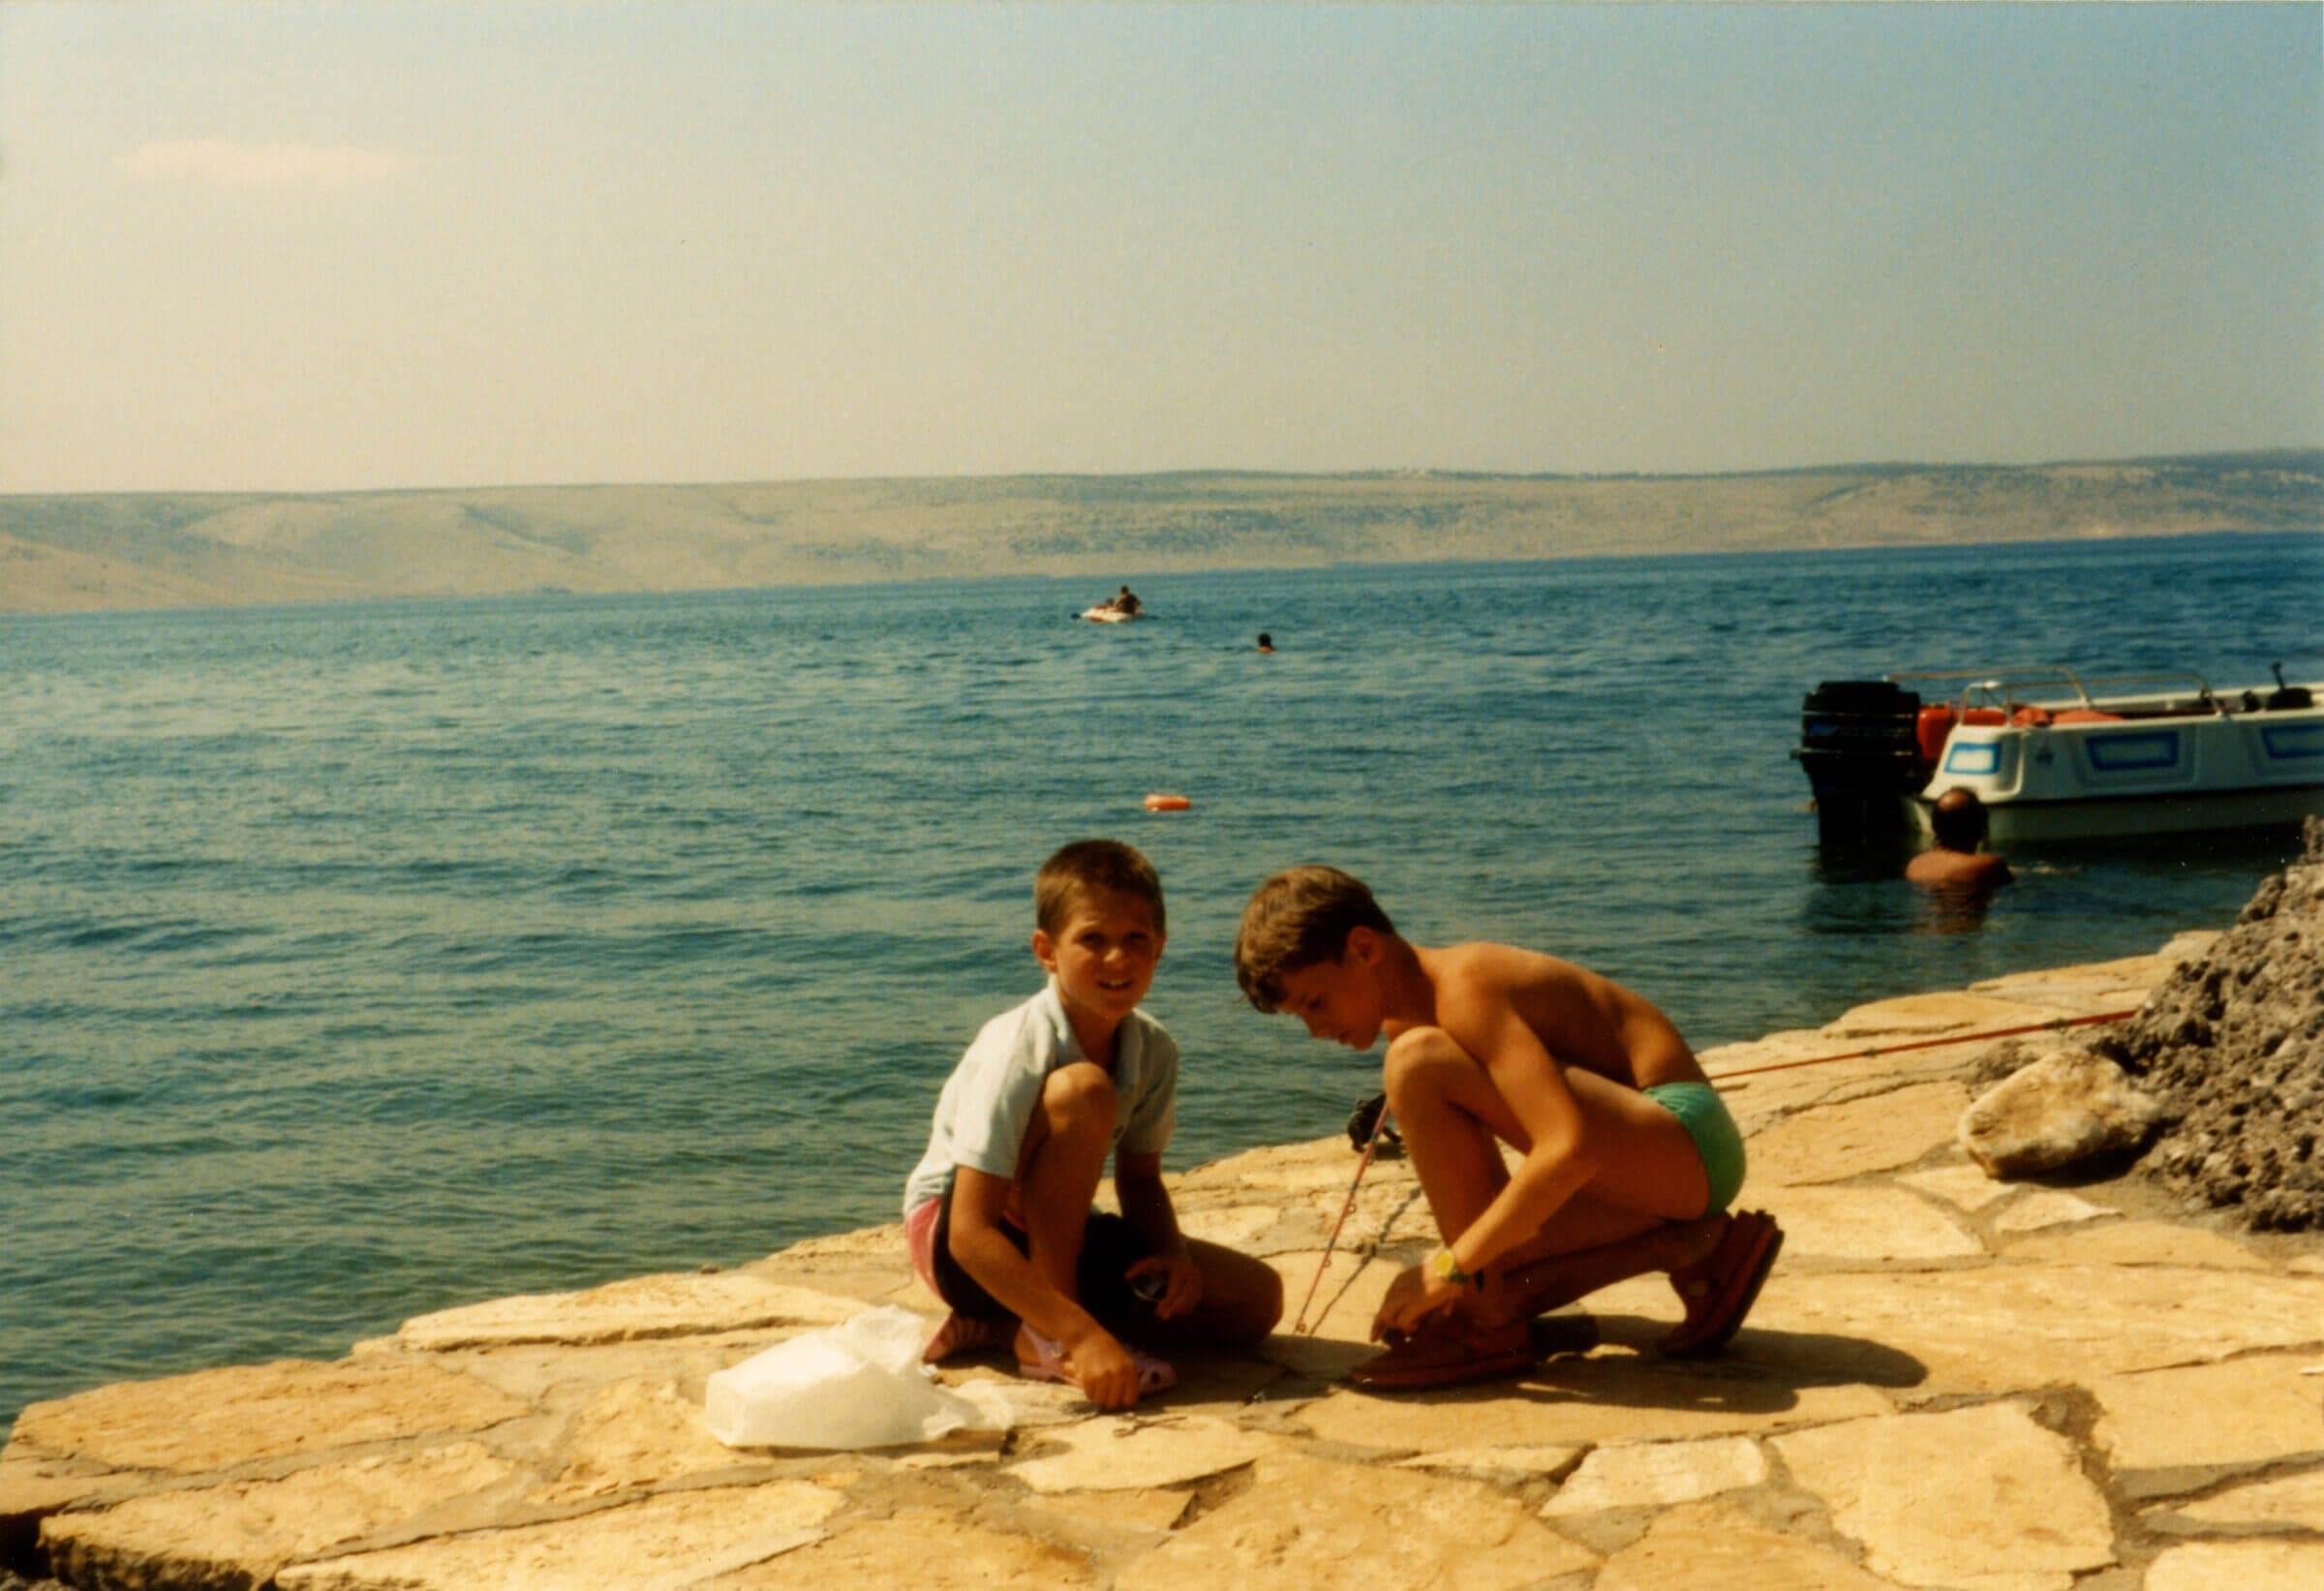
[{"x": 1628, "y": 1158}]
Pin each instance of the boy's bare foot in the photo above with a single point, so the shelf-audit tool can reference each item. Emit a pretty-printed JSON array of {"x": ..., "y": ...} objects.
[{"x": 963, "y": 1334}]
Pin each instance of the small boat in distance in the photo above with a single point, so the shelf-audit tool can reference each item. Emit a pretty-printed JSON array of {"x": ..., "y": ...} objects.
[
  {"x": 1119, "y": 609},
  {"x": 2054, "y": 756}
]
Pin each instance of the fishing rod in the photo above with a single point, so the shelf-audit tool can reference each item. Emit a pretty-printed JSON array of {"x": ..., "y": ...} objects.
[
  {"x": 1380, "y": 1125},
  {"x": 1370, "y": 1144}
]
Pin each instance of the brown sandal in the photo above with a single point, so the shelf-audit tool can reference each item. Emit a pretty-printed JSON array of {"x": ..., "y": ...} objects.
[
  {"x": 1719, "y": 1291},
  {"x": 1446, "y": 1350}
]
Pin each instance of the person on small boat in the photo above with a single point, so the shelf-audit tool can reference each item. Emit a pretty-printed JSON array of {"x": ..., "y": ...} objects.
[
  {"x": 1955, "y": 862},
  {"x": 1125, "y": 602},
  {"x": 1630, "y": 1161}
]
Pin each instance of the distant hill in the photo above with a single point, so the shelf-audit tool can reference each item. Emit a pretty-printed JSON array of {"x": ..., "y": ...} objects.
[{"x": 155, "y": 550}]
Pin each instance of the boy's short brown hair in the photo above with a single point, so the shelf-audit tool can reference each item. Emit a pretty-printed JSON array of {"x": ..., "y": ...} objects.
[
  {"x": 1297, "y": 918},
  {"x": 1093, "y": 864}
]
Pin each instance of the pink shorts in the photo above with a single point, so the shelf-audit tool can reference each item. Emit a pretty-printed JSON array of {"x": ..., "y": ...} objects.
[{"x": 920, "y": 1236}]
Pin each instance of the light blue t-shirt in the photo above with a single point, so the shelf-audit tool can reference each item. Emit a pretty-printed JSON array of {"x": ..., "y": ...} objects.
[{"x": 987, "y": 1102}]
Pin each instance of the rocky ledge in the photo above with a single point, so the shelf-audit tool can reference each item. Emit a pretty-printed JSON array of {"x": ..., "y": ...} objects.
[{"x": 1949, "y": 1382}]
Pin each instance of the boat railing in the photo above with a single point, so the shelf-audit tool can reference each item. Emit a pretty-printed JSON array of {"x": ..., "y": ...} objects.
[{"x": 2049, "y": 685}]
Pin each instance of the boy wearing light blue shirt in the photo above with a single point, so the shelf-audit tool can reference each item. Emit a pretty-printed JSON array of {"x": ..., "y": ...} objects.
[{"x": 996, "y": 1213}]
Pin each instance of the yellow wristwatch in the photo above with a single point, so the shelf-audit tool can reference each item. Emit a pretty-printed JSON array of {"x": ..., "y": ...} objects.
[{"x": 1444, "y": 1267}]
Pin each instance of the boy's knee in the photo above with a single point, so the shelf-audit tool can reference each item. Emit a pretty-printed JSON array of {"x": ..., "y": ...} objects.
[
  {"x": 1080, "y": 1097},
  {"x": 1418, "y": 1059}
]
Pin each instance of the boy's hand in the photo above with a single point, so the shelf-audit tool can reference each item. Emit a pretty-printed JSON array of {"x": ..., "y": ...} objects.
[
  {"x": 1181, "y": 1282},
  {"x": 1411, "y": 1298},
  {"x": 1103, "y": 1369}
]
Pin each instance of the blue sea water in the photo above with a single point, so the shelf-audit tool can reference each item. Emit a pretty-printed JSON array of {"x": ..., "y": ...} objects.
[{"x": 364, "y": 960}]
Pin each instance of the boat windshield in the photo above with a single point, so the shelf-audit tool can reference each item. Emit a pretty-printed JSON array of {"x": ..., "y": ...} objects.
[{"x": 2052, "y": 686}]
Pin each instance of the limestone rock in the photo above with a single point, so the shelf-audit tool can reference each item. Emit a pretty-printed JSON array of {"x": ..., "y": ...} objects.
[
  {"x": 242, "y": 1532},
  {"x": 1716, "y": 1546},
  {"x": 638, "y": 1306},
  {"x": 1126, "y": 1452},
  {"x": 1659, "y": 1474},
  {"x": 2172, "y": 1429},
  {"x": 2233, "y": 1045},
  {"x": 2239, "y": 1566},
  {"x": 679, "y": 1539},
  {"x": 2062, "y": 1110},
  {"x": 2023, "y": 1518},
  {"x": 924, "y": 1548},
  {"x": 1354, "y": 1527},
  {"x": 216, "y": 1418}
]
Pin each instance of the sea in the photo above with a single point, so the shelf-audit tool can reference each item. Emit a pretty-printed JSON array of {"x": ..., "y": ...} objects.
[{"x": 362, "y": 960}]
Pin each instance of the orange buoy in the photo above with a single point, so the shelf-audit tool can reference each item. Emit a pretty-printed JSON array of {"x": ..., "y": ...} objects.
[{"x": 1166, "y": 803}]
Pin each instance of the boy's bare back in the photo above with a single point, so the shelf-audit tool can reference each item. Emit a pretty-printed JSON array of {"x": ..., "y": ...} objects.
[{"x": 1582, "y": 1018}]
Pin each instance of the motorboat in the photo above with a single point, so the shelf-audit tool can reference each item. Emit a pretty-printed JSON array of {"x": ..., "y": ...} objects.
[
  {"x": 1105, "y": 613},
  {"x": 2054, "y": 756}
]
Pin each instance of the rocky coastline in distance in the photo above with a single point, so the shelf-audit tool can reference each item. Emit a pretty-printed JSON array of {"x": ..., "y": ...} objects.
[{"x": 68, "y": 553}]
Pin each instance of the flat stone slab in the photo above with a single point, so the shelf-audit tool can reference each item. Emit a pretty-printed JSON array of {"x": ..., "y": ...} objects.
[
  {"x": 1658, "y": 1475},
  {"x": 1717, "y": 1547},
  {"x": 2239, "y": 1566},
  {"x": 2135, "y": 1244},
  {"x": 1353, "y": 1527},
  {"x": 1867, "y": 1226},
  {"x": 2001, "y": 1328},
  {"x": 642, "y": 1306},
  {"x": 1839, "y": 1143},
  {"x": 2020, "y": 1516},
  {"x": 2241, "y": 1414},
  {"x": 2296, "y": 1501},
  {"x": 634, "y": 1434},
  {"x": 1597, "y": 1399},
  {"x": 679, "y": 1539},
  {"x": 1138, "y": 1451},
  {"x": 215, "y": 1419},
  {"x": 1912, "y": 1017},
  {"x": 924, "y": 1548},
  {"x": 243, "y": 1532}
]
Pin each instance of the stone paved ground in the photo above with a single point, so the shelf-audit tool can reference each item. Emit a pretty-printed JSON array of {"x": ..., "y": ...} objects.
[{"x": 1949, "y": 1382}]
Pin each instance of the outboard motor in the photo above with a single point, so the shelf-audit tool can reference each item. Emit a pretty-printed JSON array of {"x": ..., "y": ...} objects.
[
  {"x": 2285, "y": 698},
  {"x": 1858, "y": 747}
]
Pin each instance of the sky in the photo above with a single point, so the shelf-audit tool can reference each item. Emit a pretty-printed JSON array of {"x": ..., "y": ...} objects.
[{"x": 311, "y": 247}]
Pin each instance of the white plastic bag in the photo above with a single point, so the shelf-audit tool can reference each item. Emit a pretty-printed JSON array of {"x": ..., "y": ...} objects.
[{"x": 859, "y": 1383}]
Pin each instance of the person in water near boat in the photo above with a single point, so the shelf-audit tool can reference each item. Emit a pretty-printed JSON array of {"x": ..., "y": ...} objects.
[
  {"x": 1267, "y": 642},
  {"x": 997, "y": 1213},
  {"x": 1630, "y": 1158},
  {"x": 1955, "y": 862}
]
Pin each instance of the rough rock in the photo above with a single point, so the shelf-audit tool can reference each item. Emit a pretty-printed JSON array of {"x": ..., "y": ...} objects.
[
  {"x": 2232, "y": 1043},
  {"x": 2062, "y": 1110}
]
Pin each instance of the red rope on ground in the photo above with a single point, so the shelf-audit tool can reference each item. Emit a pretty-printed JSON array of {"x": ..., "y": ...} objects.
[{"x": 2052, "y": 1025}]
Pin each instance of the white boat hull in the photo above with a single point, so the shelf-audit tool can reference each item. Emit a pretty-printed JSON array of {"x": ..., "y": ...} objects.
[
  {"x": 2179, "y": 772},
  {"x": 2053, "y": 758}
]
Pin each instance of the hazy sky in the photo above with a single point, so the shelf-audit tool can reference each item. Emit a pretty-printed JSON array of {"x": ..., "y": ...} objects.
[{"x": 309, "y": 246}]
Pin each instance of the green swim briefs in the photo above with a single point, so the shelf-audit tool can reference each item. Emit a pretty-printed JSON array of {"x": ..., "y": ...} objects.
[{"x": 1717, "y": 1139}]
